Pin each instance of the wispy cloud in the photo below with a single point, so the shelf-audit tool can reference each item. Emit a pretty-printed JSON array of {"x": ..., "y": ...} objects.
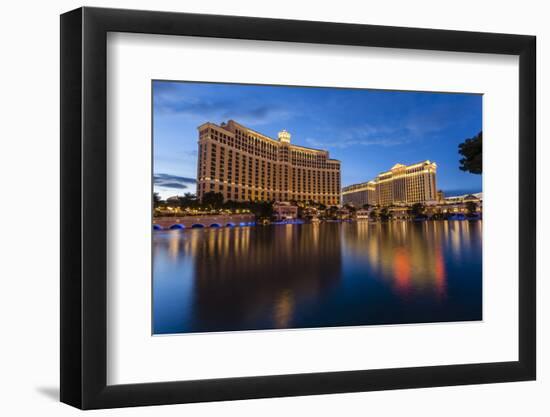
[
  {"x": 173, "y": 101},
  {"x": 173, "y": 181},
  {"x": 178, "y": 155},
  {"x": 398, "y": 133},
  {"x": 348, "y": 143},
  {"x": 365, "y": 135}
]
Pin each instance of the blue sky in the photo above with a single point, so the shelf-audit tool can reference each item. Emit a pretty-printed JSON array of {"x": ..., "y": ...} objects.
[{"x": 368, "y": 130}]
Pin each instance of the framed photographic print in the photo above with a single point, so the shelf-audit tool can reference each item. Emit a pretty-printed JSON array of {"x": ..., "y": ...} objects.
[{"x": 258, "y": 208}]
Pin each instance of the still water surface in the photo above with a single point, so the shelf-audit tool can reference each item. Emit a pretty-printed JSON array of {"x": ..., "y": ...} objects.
[{"x": 316, "y": 275}]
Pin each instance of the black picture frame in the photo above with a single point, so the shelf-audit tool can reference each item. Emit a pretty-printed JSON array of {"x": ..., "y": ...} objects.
[{"x": 84, "y": 207}]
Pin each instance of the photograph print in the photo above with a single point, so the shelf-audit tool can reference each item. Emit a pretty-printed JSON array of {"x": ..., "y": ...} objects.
[{"x": 294, "y": 207}]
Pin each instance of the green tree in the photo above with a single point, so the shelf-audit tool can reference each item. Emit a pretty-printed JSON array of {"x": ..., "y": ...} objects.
[
  {"x": 384, "y": 214},
  {"x": 471, "y": 150},
  {"x": 156, "y": 200},
  {"x": 418, "y": 210},
  {"x": 189, "y": 200},
  {"x": 212, "y": 199},
  {"x": 352, "y": 209},
  {"x": 330, "y": 213},
  {"x": 231, "y": 205},
  {"x": 185, "y": 201},
  {"x": 263, "y": 210},
  {"x": 374, "y": 214},
  {"x": 471, "y": 208}
]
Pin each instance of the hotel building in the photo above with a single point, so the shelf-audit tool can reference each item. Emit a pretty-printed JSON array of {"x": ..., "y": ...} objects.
[
  {"x": 402, "y": 184},
  {"x": 244, "y": 165}
]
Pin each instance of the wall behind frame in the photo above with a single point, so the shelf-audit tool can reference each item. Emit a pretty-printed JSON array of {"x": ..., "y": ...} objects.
[{"x": 30, "y": 178}]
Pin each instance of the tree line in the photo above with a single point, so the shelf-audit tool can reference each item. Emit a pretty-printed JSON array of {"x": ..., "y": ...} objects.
[{"x": 213, "y": 201}]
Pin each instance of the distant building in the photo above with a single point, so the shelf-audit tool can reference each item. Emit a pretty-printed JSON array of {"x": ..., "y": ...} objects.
[
  {"x": 310, "y": 213},
  {"x": 284, "y": 211},
  {"x": 456, "y": 205},
  {"x": 173, "y": 199},
  {"x": 360, "y": 194},
  {"x": 244, "y": 165},
  {"x": 476, "y": 197},
  {"x": 343, "y": 213},
  {"x": 402, "y": 184}
]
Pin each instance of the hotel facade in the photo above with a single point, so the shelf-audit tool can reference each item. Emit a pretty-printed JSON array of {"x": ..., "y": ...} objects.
[
  {"x": 244, "y": 165},
  {"x": 402, "y": 184}
]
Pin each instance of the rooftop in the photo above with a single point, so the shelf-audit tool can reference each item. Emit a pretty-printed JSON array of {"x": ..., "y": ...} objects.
[
  {"x": 396, "y": 166},
  {"x": 225, "y": 125}
]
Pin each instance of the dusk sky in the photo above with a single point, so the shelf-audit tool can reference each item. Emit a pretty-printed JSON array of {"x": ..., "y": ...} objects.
[{"x": 368, "y": 130}]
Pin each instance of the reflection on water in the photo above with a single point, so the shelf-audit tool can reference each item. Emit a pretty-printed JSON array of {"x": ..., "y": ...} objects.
[{"x": 316, "y": 275}]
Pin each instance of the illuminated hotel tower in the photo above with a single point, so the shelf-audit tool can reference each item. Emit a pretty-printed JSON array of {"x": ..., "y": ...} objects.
[
  {"x": 245, "y": 165},
  {"x": 400, "y": 185}
]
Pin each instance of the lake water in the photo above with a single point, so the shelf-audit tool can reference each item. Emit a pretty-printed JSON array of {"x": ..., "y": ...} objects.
[{"x": 316, "y": 275}]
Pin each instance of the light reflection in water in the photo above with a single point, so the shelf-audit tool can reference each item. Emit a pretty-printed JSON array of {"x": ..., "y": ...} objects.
[
  {"x": 402, "y": 269},
  {"x": 283, "y": 309},
  {"x": 316, "y": 275},
  {"x": 408, "y": 254}
]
